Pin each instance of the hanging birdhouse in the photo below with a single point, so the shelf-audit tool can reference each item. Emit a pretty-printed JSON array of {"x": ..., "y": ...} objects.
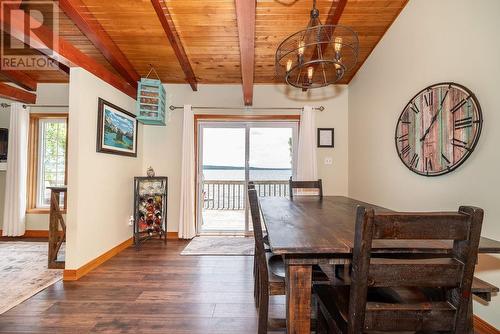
[{"x": 151, "y": 98}]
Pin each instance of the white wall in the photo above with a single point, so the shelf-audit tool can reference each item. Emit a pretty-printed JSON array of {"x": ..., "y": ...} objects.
[
  {"x": 100, "y": 186},
  {"x": 162, "y": 145},
  {"x": 430, "y": 42}
]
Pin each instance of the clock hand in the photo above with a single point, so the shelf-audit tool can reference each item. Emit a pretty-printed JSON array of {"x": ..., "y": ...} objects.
[{"x": 430, "y": 125}]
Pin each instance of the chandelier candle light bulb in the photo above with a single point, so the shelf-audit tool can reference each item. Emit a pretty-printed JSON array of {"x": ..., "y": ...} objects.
[
  {"x": 289, "y": 65},
  {"x": 310, "y": 72},
  {"x": 301, "y": 48},
  {"x": 338, "y": 44}
]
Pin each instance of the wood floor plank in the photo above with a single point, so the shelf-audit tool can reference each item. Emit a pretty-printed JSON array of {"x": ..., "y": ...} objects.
[{"x": 154, "y": 290}]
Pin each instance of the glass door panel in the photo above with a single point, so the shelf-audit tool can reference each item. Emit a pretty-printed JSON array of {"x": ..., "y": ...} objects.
[
  {"x": 222, "y": 178},
  {"x": 229, "y": 155},
  {"x": 271, "y": 157}
]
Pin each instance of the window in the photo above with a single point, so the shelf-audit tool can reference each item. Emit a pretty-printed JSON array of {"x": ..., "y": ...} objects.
[{"x": 48, "y": 139}]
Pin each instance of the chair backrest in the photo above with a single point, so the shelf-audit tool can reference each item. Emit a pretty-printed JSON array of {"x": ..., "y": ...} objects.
[
  {"x": 260, "y": 255},
  {"x": 306, "y": 185},
  {"x": 453, "y": 273}
]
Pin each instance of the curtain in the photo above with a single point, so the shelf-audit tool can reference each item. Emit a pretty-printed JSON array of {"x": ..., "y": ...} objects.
[
  {"x": 307, "y": 169},
  {"x": 14, "y": 217},
  {"x": 187, "y": 228}
]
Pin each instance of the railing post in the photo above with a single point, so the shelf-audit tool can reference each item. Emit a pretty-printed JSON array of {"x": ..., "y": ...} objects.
[{"x": 229, "y": 194}]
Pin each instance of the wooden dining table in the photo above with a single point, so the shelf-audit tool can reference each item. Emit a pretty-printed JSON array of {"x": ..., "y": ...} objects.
[{"x": 307, "y": 231}]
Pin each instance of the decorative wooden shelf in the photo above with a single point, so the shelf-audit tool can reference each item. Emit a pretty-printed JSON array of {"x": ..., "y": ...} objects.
[{"x": 151, "y": 102}]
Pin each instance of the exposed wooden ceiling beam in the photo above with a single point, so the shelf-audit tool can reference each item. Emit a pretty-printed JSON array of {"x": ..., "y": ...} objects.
[
  {"x": 65, "y": 53},
  {"x": 21, "y": 79},
  {"x": 168, "y": 25},
  {"x": 14, "y": 4},
  {"x": 16, "y": 94},
  {"x": 335, "y": 12},
  {"x": 78, "y": 12},
  {"x": 245, "y": 16}
]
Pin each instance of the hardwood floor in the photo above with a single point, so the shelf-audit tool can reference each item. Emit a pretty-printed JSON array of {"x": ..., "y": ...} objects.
[{"x": 154, "y": 290}]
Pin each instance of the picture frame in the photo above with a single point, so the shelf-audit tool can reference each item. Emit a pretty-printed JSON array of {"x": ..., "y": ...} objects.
[
  {"x": 116, "y": 130},
  {"x": 326, "y": 137}
]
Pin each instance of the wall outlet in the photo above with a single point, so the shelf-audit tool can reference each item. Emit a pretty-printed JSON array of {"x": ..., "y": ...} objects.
[
  {"x": 328, "y": 161},
  {"x": 131, "y": 221}
]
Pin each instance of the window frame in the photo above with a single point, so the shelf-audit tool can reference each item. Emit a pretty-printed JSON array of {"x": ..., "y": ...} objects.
[{"x": 33, "y": 159}]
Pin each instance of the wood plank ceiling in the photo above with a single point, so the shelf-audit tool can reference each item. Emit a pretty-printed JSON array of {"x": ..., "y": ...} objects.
[{"x": 208, "y": 32}]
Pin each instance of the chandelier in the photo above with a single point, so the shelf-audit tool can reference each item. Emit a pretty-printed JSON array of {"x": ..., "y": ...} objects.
[{"x": 317, "y": 56}]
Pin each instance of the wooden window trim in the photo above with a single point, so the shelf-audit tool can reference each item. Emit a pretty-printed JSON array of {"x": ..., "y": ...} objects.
[{"x": 33, "y": 148}]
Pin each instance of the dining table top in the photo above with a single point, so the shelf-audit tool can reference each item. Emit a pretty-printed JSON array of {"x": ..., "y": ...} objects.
[{"x": 307, "y": 225}]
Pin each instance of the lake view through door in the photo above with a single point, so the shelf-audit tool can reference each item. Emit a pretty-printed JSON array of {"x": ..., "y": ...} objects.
[{"x": 229, "y": 155}]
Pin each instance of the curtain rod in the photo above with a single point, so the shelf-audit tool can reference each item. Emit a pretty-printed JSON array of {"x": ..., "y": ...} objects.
[
  {"x": 5, "y": 105},
  {"x": 320, "y": 108}
]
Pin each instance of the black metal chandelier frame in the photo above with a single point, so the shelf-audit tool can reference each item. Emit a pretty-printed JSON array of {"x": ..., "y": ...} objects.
[{"x": 317, "y": 56}]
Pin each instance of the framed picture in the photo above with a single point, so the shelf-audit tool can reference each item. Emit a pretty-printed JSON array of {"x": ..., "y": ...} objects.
[
  {"x": 325, "y": 137},
  {"x": 116, "y": 130}
]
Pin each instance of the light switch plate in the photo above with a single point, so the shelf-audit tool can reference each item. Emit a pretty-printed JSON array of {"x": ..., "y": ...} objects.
[{"x": 328, "y": 161}]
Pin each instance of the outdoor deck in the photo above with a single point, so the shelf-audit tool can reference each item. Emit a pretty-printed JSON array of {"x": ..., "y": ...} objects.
[
  {"x": 224, "y": 202},
  {"x": 223, "y": 220}
]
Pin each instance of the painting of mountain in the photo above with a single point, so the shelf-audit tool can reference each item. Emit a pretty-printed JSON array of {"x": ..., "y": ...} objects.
[{"x": 117, "y": 130}]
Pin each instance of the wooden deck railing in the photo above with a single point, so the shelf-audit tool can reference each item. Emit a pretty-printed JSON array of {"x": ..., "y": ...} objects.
[{"x": 230, "y": 195}]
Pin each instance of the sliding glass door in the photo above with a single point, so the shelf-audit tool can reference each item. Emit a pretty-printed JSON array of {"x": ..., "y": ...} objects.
[{"x": 229, "y": 155}]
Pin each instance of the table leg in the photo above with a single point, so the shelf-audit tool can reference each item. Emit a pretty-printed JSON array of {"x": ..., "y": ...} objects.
[{"x": 298, "y": 299}]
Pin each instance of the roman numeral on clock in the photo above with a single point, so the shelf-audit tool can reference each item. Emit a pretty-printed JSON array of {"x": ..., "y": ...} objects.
[
  {"x": 445, "y": 158},
  {"x": 428, "y": 98},
  {"x": 414, "y": 107},
  {"x": 428, "y": 164},
  {"x": 403, "y": 138},
  {"x": 414, "y": 161},
  {"x": 459, "y": 105},
  {"x": 459, "y": 143},
  {"x": 463, "y": 123},
  {"x": 405, "y": 150}
]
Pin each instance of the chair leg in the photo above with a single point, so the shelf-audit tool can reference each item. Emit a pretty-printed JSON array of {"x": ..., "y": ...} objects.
[
  {"x": 321, "y": 324},
  {"x": 258, "y": 288},
  {"x": 263, "y": 310},
  {"x": 256, "y": 283}
]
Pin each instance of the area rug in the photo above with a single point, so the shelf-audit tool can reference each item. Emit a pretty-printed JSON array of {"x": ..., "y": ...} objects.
[
  {"x": 23, "y": 272},
  {"x": 220, "y": 246}
]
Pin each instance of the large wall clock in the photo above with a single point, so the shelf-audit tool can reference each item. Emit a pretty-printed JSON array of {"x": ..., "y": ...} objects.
[{"x": 438, "y": 129}]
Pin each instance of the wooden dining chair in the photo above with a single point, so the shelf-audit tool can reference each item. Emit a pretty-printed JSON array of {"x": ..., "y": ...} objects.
[
  {"x": 318, "y": 185},
  {"x": 404, "y": 293},
  {"x": 256, "y": 290},
  {"x": 270, "y": 271},
  {"x": 269, "y": 268}
]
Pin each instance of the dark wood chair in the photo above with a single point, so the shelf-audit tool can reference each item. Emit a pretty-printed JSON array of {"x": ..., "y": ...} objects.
[
  {"x": 270, "y": 279},
  {"x": 269, "y": 271},
  {"x": 306, "y": 185},
  {"x": 405, "y": 294}
]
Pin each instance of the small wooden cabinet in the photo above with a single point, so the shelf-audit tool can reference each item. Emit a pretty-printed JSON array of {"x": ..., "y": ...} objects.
[{"x": 150, "y": 208}]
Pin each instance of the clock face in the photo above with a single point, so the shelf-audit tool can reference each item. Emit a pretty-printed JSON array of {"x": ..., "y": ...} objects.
[{"x": 438, "y": 129}]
